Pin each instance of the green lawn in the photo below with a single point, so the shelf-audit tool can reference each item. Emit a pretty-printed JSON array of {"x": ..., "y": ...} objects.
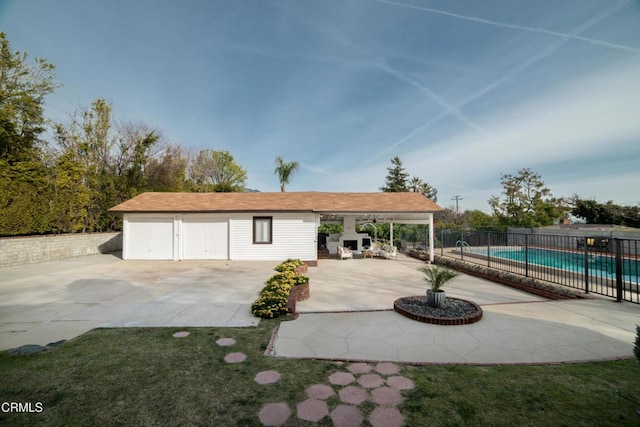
[{"x": 145, "y": 376}]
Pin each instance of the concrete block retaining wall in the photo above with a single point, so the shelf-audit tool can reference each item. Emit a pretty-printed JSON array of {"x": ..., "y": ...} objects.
[{"x": 25, "y": 250}]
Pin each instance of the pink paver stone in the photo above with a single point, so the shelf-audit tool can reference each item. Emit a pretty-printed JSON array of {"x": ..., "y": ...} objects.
[
  {"x": 370, "y": 381},
  {"x": 235, "y": 357},
  {"x": 386, "y": 368},
  {"x": 353, "y": 394},
  {"x": 320, "y": 391},
  {"x": 312, "y": 410},
  {"x": 386, "y": 417},
  {"x": 346, "y": 416},
  {"x": 267, "y": 377},
  {"x": 400, "y": 383},
  {"x": 181, "y": 334},
  {"x": 359, "y": 368},
  {"x": 341, "y": 378},
  {"x": 274, "y": 414},
  {"x": 386, "y": 396},
  {"x": 225, "y": 342}
]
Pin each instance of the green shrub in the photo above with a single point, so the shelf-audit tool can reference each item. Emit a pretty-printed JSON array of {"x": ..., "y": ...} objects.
[
  {"x": 275, "y": 286},
  {"x": 289, "y": 265},
  {"x": 274, "y": 297},
  {"x": 270, "y": 304}
]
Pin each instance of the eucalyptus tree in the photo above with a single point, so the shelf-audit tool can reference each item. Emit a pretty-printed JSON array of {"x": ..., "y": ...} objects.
[{"x": 284, "y": 170}]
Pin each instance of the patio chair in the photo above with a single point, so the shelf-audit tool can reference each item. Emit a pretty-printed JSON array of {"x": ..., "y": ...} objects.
[
  {"x": 344, "y": 253},
  {"x": 389, "y": 251}
]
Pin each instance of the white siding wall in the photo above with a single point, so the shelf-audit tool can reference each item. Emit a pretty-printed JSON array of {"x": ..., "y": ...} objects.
[{"x": 294, "y": 236}]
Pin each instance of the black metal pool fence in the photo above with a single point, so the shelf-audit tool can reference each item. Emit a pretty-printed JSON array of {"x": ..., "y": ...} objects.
[{"x": 603, "y": 265}]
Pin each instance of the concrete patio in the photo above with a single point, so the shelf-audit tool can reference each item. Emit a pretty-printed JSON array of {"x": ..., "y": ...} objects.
[{"x": 347, "y": 317}]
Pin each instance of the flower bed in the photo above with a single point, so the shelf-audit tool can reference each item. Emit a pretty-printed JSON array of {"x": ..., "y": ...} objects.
[{"x": 282, "y": 290}]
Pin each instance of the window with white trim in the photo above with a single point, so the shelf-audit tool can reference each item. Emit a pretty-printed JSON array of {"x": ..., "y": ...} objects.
[{"x": 262, "y": 229}]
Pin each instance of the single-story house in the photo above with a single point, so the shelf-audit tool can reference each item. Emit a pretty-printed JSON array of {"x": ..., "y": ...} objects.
[{"x": 257, "y": 226}]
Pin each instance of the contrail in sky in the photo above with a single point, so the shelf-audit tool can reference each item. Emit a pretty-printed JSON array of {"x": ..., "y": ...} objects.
[
  {"x": 511, "y": 73},
  {"x": 515, "y": 26}
]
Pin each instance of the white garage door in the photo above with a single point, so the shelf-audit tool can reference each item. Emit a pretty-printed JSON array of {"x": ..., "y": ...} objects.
[
  {"x": 150, "y": 238},
  {"x": 204, "y": 237}
]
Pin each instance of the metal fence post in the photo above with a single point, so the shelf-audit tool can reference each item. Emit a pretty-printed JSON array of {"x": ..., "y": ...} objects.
[
  {"x": 586, "y": 266},
  {"x": 462, "y": 245},
  {"x": 488, "y": 249},
  {"x": 526, "y": 255},
  {"x": 618, "y": 248}
]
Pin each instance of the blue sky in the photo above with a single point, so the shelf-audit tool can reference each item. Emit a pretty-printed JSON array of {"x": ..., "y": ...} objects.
[{"x": 461, "y": 90}]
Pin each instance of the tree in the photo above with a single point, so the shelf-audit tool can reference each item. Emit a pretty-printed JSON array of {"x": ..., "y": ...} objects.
[
  {"x": 23, "y": 89},
  {"x": 213, "y": 170},
  {"x": 605, "y": 213},
  {"x": 168, "y": 171},
  {"x": 284, "y": 171},
  {"x": 396, "y": 181},
  {"x": 417, "y": 185},
  {"x": 526, "y": 202}
]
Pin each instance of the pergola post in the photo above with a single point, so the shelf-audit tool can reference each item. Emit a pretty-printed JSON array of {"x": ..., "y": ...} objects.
[{"x": 391, "y": 233}]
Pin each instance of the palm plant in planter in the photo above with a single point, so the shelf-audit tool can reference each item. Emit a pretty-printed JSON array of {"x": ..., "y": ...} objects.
[{"x": 436, "y": 277}]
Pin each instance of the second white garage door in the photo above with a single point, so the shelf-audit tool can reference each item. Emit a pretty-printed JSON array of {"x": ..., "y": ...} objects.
[{"x": 205, "y": 237}]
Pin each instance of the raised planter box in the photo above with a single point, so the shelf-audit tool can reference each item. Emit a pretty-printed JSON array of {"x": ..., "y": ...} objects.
[{"x": 301, "y": 291}]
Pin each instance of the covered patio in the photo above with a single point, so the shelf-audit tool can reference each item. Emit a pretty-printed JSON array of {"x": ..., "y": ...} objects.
[{"x": 366, "y": 212}]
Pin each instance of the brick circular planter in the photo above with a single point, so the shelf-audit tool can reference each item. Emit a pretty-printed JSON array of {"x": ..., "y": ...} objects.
[{"x": 421, "y": 317}]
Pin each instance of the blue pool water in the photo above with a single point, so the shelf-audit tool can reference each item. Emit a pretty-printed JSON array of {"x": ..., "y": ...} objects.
[{"x": 599, "y": 265}]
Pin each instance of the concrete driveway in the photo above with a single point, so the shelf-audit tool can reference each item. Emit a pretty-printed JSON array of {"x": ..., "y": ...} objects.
[{"x": 46, "y": 302}]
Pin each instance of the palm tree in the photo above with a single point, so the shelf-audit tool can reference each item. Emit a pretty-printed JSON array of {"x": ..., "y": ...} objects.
[
  {"x": 415, "y": 184},
  {"x": 284, "y": 171}
]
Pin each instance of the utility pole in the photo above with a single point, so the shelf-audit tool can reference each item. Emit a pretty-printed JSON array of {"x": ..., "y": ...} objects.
[{"x": 457, "y": 199}]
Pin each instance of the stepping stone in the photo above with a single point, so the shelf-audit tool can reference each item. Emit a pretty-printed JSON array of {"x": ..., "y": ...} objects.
[
  {"x": 386, "y": 396},
  {"x": 400, "y": 383},
  {"x": 353, "y": 394},
  {"x": 341, "y": 378},
  {"x": 346, "y": 416},
  {"x": 320, "y": 391},
  {"x": 312, "y": 410},
  {"x": 225, "y": 342},
  {"x": 386, "y": 368},
  {"x": 359, "y": 368},
  {"x": 181, "y": 334},
  {"x": 274, "y": 414},
  {"x": 386, "y": 417},
  {"x": 235, "y": 357},
  {"x": 370, "y": 381},
  {"x": 267, "y": 377}
]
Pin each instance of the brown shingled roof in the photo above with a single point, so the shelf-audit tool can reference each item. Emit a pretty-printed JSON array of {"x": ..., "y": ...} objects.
[{"x": 306, "y": 202}]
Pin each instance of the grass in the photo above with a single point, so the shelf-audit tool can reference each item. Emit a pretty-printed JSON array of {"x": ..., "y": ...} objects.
[{"x": 145, "y": 376}]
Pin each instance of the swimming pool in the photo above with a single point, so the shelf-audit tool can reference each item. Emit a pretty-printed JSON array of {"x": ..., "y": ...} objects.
[{"x": 599, "y": 265}]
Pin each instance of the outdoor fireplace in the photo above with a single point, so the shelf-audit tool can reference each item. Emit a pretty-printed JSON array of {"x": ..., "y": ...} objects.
[{"x": 351, "y": 244}]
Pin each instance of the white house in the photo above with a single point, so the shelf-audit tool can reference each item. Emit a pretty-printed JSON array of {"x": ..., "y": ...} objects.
[{"x": 256, "y": 226}]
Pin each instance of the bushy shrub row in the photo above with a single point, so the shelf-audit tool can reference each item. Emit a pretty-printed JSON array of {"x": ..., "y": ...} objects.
[
  {"x": 273, "y": 299},
  {"x": 289, "y": 265}
]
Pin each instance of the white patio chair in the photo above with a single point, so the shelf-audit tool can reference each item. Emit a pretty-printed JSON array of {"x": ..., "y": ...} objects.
[{"x": 344, "y": 253}]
